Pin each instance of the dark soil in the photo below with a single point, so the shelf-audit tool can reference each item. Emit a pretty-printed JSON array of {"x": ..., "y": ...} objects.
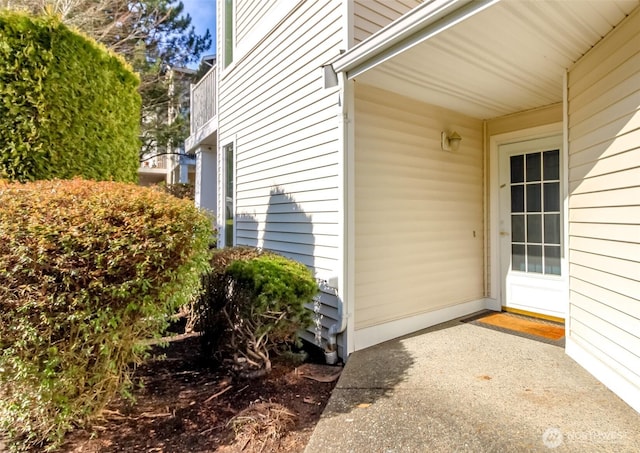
[{"x": 187, "y": 406}]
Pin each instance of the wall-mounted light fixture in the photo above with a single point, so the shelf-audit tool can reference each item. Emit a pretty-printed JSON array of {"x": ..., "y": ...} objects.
[{"x": 450, "y": 141}]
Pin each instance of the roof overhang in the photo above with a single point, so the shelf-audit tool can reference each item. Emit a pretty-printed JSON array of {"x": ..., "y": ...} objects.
[
  {"x": 484, "y": 58},
  {"x": 418, "y": 25},
  {"x": 205, "y": 136}
]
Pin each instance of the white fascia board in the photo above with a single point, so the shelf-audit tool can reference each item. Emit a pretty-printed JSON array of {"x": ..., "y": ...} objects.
[
  {"x": 203, "y": 136},
  {"x": 418, "y": 25}
]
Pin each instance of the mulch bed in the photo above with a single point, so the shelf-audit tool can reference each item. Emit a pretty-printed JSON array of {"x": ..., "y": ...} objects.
[{"x": 184, "y": 405}]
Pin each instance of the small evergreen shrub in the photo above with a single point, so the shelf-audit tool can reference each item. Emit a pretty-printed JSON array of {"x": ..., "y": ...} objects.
[
  {"x": 68, "y": 106},
  {"x": 253, "y": 304},
  {"x": 88, "y": 270}
]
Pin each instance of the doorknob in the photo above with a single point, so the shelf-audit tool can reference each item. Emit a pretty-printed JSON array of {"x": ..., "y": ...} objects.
[{"x": 504, "y": 233}]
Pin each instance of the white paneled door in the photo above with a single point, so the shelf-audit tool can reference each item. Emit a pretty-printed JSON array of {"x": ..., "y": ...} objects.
[{"x": 532, "y": 250}]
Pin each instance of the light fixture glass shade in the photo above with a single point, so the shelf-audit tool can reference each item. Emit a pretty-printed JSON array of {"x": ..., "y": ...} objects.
[
  {"x": 450, "y": 142},
  {"x": 454, "y": 141}
]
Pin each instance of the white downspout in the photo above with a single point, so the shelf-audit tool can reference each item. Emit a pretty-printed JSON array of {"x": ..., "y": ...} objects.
[
  {"x": 338, "y": 327},
  {"x": 342, "y": 282}
]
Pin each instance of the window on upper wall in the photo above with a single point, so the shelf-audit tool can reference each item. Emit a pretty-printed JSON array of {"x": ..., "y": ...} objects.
[
  {"x": 228, "y": 194},
  {"x": 228, "y": 32}
]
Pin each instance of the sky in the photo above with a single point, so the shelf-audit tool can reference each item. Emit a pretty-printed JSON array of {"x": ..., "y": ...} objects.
[{"x": 203, "y": 16}]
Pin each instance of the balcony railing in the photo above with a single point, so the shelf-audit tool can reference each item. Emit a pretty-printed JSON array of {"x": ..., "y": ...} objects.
[
  {"x": 203, "y": 100},
  {"x": 154, "y": 163}
]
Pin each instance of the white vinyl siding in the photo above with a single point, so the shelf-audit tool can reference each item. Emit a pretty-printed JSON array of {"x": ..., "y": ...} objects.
[
  {"x": 286, "y": 131},
  {"x": 287, "y": 139},
  {"x": 372, "y": 15},
  {"x": 249, "y": 13},
  {"x": 604, "y": 203},
  {"x": 418, "y": 209}
]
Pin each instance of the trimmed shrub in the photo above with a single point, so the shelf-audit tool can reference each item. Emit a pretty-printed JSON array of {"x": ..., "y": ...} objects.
[
  {"x": 179, "y": 190},
  {"x": 68, "y": 106},
  {"x": 252, "y": 305},
  {"x": 87, "y": 271}
]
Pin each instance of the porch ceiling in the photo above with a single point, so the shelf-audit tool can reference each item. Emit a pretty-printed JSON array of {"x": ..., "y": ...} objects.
[{"x": 507, "y": 58}]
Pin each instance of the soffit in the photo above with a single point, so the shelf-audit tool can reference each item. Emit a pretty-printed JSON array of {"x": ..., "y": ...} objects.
[{"x": 507, "y": 58}]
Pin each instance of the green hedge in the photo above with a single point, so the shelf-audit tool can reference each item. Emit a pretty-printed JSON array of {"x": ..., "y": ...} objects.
[
  {"x": 253, "y": 304},
  {"x": 68, "y": 107},
  {"x": 87, "y": 271}
]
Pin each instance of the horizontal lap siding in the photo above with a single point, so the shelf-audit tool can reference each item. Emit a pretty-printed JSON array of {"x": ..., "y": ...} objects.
[
  {"x": 604, "y": 201},
  {"x": 249, "y": 13},
  {"x": 372, "y": 15},
  {"x": 417, "y": 208},
  {"x": 286, "y": 129}
]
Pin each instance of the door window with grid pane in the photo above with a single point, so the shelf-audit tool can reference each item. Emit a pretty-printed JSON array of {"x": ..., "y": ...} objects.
[{"x": 535, "y": 212}]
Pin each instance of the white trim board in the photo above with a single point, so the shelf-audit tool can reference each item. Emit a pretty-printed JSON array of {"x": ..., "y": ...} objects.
[
  {"x": 627, "y": 392},
  {"x": 370, "y": 336}
]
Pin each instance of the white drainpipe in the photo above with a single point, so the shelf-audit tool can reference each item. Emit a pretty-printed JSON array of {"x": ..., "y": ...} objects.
[
  {"x": 341, "y": 323},
  {"x": 332, "y": 79},
  {"x": 331, "y": 354}
]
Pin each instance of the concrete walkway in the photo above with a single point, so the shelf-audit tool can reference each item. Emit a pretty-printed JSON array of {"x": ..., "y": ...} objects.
[{"x": 462, "y": 387}]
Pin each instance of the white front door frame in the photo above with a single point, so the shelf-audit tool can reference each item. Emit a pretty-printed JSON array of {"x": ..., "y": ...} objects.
[
  {"x": 541, "y": 293},
  {"x": 496, "y": 300}
]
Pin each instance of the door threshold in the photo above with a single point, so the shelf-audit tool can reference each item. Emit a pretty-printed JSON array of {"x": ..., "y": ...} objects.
[{"x": 531, "y": 314}]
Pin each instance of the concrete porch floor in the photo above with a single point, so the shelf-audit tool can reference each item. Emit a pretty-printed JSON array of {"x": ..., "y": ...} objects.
[{"x": 463, "y": 387}]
